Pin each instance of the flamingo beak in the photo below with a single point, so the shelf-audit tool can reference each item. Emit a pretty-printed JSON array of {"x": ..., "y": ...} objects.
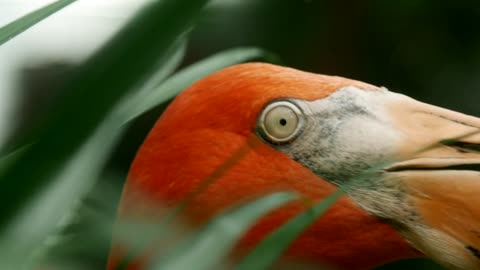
[
  {"x": 434, "y": 138},
  {"x": 438, "y": 167}
]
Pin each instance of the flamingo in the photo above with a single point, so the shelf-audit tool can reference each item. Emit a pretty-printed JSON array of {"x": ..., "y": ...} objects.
[{"x": 315, "y": 133}]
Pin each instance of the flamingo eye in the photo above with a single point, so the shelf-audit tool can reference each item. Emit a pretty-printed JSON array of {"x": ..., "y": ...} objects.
[{"x": 280, "y": 122}]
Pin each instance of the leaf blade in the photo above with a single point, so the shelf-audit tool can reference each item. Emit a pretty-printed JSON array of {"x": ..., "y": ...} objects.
[
  {"x": 187, "y": 76},
  {"x": 40, "y": 190},
  {"x": 271, "y": 248},
  {"x": 105, "y": 77},
  {"x": 20, "y": 25},
  {"x": 77, "y": 178},
  {"x": 208, "y": 248}
]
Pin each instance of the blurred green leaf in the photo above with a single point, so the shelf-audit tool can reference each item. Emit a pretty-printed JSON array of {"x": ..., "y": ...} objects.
[
  {"x": 104, "y": 79},
  {"x": 162, "y": 229},
  {"x": 55, "y": 172},
  {"x": 16, "y": 27},
  {"x": 12, "y": 157},
  {"x": 84, "y": 243},
  {"x": 209, "y": 247},
  {"x": 137, "y": 98},
  {"x": 184, "y": 78},
  {"x": 270, "y": 248},
  {"x": 72, "y": 182}
]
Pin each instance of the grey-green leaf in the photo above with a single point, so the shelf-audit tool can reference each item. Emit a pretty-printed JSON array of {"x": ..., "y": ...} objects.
[
  {"x": 51, "y": 175},
  {"x": 212, "y": 244},
  {"x": 137, "y": 98},
  {"x": 184, "y": 78},
  {"x": 270, "y": 248},
  {"x": 73, "y": 180},
  {"x": 18, "y": 26},
  {"x": 122, "y": 65}
]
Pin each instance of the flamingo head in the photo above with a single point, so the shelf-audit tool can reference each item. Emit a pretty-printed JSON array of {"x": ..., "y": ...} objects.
[{"x": 410, "y": 170}]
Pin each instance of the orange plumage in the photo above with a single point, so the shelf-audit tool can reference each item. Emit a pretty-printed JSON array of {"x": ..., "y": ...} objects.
[{"x": 207, "y": 124}]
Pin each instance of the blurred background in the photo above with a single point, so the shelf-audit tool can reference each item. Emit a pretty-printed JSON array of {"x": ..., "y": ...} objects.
[
  {"x": 426, "y": 49},
  {"x": 429, "y": 50}
]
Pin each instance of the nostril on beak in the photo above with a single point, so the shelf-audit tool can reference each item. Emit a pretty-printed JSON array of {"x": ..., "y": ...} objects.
[{"x": 463, "y": 147}]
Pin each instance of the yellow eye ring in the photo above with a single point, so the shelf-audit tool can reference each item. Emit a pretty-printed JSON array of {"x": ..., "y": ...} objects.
[{"x": 280, "y": 122}]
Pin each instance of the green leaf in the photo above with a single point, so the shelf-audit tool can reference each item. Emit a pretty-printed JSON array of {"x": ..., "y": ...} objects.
[
  {"x": 137, "y": 98},
  {"x": 210, "y": 246},
  {"x": 84, "y": 242},
  {"x": 119, "y": 67},
  {"x": 12, "y": 157},
  {"x": 270, "y": 248},
  {"x": 184, "y": 78},
  {"x": 50, "y": 177},
  {"x": 18, "y": 26},
  {"x": 73, "y": 181},
  {"x": 159, "y": 230}
]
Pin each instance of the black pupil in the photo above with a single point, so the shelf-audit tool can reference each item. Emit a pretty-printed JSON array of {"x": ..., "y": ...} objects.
[{"x": 283, "y": 122}]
